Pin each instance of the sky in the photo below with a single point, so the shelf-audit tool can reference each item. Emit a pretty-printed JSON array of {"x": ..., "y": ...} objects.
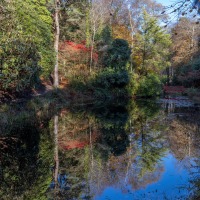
[
  {"x": 165, "y": 2},
  {"x": 173, "y": 17}
]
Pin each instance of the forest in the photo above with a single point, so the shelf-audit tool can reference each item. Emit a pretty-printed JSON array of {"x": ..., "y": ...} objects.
[
  {"x": 99, "y": 99},
  {"x": 98, "y": 49}
]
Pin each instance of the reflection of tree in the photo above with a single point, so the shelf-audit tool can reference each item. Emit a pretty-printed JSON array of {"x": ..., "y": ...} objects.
[
  {"x": 195, "y": 179},
  {"x": 76, "y": 134},
  {"x": 106, "y": 145},
  {"x": 148, "y": 128},
  {"x": 109, "y": 156},
  {"x": 184, "y": 139},
  {"x": 152, "y": 150},
  {"x": 80, "y": 157},
  {"x": 25, "y": 156},
  {"x": 57, "y": 183},
  {"x": 113, "y": 119}
]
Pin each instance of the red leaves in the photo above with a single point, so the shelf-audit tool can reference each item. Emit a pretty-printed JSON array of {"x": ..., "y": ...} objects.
[
  {"x": 74, "y": 145},
  {"x": 72, "y": 46}
]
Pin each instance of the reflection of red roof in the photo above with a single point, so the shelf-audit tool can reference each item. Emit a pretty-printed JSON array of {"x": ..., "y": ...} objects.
[{"x": 74, "y": 144}]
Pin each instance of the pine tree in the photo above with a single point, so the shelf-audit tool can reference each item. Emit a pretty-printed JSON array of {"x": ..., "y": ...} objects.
[{"x": 152, "y": 46}]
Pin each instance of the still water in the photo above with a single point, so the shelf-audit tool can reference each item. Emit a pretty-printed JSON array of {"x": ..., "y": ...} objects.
[{"x": 144, "y": 150}]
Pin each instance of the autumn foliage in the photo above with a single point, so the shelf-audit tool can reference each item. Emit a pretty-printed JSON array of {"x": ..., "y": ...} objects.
[{"x": 74, "y": 50}]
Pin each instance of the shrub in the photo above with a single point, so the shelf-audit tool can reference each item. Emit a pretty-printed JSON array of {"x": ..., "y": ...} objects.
[
  {"x": 189, "y": 74},
  {"x": 19, "y": 65},
  {"x": 110, "y": 78}
]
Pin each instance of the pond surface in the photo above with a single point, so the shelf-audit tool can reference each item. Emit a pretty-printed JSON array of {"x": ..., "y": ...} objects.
[{"x": 133, "y": 150}]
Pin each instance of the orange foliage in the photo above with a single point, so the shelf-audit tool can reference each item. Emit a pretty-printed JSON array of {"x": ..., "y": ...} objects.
[{"x": 121, "y": 32}]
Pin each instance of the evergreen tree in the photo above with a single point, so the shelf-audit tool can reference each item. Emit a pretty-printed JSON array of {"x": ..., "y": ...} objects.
[
  {"x": 118, "y": 54},
  {"x": 152, "y": 46}
]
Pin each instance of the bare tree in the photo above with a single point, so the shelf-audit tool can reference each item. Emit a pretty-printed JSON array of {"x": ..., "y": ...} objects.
[
  {"x": 58, "y": 5},
  {"x": 185, "y": 36},
  {"x": 99, "y": 17},
  {"x": 152, "y": 8}
]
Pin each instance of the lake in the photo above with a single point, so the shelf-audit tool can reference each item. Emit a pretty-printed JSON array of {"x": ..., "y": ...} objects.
[{"x": 120, "y": 150}]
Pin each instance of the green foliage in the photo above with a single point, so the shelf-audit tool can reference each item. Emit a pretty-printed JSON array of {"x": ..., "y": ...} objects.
[
  {"x": 74, "y": 22},
  {"x": 106, "y": 35},
  {"x": 189, "y": 74},
  {"x": 33, "y": 19},
  {"x": 118, "y": 54},
  {"x": 110, "y": 78},
  {"x": 87, "y": 27},
  {"x": 19, "y": 65},
  {"x": 28, "y": 152},
  {"x": 193, "y": 65},
  {"x": 149, "y": 86},
  {"x": 152, "y": 46},
  {"x": 26, "y": 43},
  {"x": 148, "y": 108},
  {"x": 133, "y": 85}
]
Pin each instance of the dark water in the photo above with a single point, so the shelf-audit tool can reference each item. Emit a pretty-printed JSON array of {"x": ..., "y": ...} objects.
[{"x": 113, "y": 151}]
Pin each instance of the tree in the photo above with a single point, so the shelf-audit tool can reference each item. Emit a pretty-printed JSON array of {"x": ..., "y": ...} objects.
[
  {"x": 98, "y": 19},
  {"x": 185, "y": 37},
  {"x": 73, "y": 22},
  {"x": 118, "y": 55},
  {"x": 58, "y": 5},
  {"x": 25, "y": 44},
  {"x": 56, "y": 41},
  {"x": 185, "y": 49},
  {"x": 26, "y": 154},
  {"x": 152, "y": 46},
  {"x": 34, "y": 20},
  {"x": 19, "y": 64},
  {"x": 136, "y": 8}
]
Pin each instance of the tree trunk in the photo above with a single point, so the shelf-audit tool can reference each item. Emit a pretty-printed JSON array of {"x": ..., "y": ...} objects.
[
  {"x": 92, "y": 48},
  {"x": 56, "y": 42},
  {"x": 132, "y": 29},
  {"x": 56, "y": 157}
]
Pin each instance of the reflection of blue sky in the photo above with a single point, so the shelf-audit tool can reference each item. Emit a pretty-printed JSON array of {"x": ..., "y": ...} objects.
[{"x": 172, "y": 185}]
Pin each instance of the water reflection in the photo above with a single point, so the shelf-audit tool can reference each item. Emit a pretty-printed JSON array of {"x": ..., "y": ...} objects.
[
  {"x": 26, "y": 151},
  {"x": 119, "y": 150}
]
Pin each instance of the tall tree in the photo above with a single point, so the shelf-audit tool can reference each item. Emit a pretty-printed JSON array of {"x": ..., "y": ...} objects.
[
  {"x": 152, "y": 46},
  {"x": 56, "y": 41},
  {"x": 58, "y": 5},
  {"x": 185, "y": 37},
  {"x": 98, "y": 19},
  {"x": 136, "y": 8}
]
